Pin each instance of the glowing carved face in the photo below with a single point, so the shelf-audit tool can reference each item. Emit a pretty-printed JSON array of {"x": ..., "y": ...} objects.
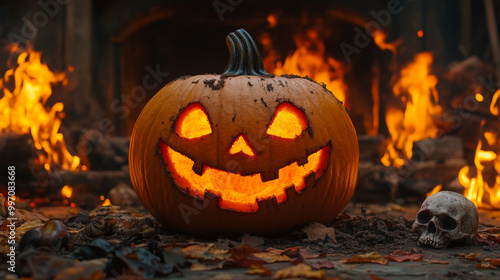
[{"x": 235, "y": 191}]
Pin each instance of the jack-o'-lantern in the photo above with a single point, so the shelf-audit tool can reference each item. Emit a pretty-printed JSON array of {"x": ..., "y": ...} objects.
[{"x": 244, "y": 151}]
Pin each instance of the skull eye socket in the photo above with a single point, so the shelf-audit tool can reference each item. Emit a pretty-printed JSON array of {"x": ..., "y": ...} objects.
[
  {"x": 193, "y": 122},
  {"x": 424, "y": 217},
  {"x": 448, "y": 223},
  {"x": 288, "y": 122}
]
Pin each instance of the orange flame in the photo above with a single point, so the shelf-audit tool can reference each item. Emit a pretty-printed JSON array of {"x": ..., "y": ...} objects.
[
  {"x": 416, "y": 89},
  {"x": 379, "y": 39},
  {"x": 435, "y": 190},
  {"x": 483, "y": 186},
  {"x": 107, "y": 202},
  {"x": 23, "y": 110},
  {"x": 309, "y": 59},
  {"x": 67, "y": 191}
]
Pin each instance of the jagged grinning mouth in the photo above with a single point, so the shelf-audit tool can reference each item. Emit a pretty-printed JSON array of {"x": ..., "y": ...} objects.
[{"x": 242, "y": 193}]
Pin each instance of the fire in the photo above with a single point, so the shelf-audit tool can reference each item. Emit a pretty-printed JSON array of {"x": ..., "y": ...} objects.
[
  {"x": 379, "y": 39},
  {"x": 67, "y": 191},
  {"x": 107, "y": 202},
  {"x": 309, "y": 59},
  {"x": 435, "y": 190},
  {"x": 416, "y": 89},
  {"x": 23, "y": 110},
  {"x": 482, "y": 181}
]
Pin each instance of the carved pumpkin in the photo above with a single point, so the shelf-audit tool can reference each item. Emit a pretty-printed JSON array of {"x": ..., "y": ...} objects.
[{"x": 244, "y": 151}]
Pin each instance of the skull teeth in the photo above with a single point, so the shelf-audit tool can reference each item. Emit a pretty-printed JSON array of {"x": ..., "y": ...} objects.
[{"x": 432, "y": 241}]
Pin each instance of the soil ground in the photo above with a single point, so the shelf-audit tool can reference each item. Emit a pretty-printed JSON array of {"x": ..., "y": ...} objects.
[{"x": 360, "y": 229}]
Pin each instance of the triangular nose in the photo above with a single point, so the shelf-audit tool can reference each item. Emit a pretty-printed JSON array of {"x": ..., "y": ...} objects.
[{"x": 240, "y": 145}]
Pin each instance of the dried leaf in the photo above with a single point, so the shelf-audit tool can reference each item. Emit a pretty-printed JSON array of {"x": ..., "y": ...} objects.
[
  {"x": 271, "y": 257},
  {"x": 275, "y": 251},
  {"x": 252, "y": 241},
  {"x": 314, "y": 263},
  {"x": 196, "y": 266},
  {"x": 404, "y": 256},
  {"x": 91, "y": 270},
  {"x": 142, "y": 262},
  {"x": 205, "y": 252},
  {"x": 99, "y": 248},
  {"x": 495, "y": 262},
  {"x": 471, "y": 256},
  {"x": 225, "y": 244},
  {"x": 436, "y": 262},
  {"x": 372, "y": 257},
  {"x": 29, "y": 225},
  {"x": 317, "y": 231},
  {"x": 306, "y": 253},
  {"x": 486, "y": 266},
  {"x": 25, "y": 215},
  {"x": 300, "y": 270},
  {"x": 258, "y": 270},
  {"x": 243, "y": 256}
]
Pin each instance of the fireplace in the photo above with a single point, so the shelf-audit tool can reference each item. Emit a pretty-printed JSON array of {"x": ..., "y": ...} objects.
[{"x": 418, "y": 79}]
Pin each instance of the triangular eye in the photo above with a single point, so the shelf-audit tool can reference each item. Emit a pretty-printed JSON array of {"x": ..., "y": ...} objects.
[
  {"x": 193, "y": 122},
  {"x": 288, "y": 122}
]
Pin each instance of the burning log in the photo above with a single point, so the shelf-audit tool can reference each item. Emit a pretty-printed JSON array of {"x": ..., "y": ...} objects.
[
  {"x": 18, "y": 150},
  {"x": 371, "y": 148},
  {"x": 107, "y": 153},
  {"x": 449, "y": 147},
  {"x": 97, "y": 182},
  {"x": 376, "y": 183}
]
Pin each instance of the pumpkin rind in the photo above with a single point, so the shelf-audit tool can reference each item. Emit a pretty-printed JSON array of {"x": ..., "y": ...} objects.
[{"x": 243, "y": 105}]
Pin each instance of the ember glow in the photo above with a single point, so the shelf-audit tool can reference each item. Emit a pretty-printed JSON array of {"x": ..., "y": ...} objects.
[
  {"x": 23, "y": 109},
  {"x": 309, "y": 59},
  {"x": 416, "y": 89},
  {"x": 482, "y": 180}
]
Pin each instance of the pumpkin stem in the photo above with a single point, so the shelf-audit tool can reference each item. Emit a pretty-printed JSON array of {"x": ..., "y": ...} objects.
[{"x": 244, "y": 57}]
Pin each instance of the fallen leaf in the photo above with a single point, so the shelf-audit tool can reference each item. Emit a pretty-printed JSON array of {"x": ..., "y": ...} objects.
[
  {"x": 306, "y": 253},
  {"x": 436, "y": 262},
  {"x": 25, "y": 227},
  {"x": 225, "y": 244},
  {"x": 495, "y": 262},
  {"x": 142, "y": 262},
  {"x": 404, "y": 256},
  {"x": 300, "y": 270},
  {"x": 252, "y": 241},
  {"x": 258, "y": 269},
  {"x": 205, "y": 252},
  {"x": 275, "y": 251},
  {"x": 314, "y": 263},
  {"x": 40, "y": 264},
  {"x": 196, "y": 266},
  {"x": 317, "y": 231},
  {"x": 471, "y": 256},
  {"x": 84, "y": 270},
  {"x": 25, "y": 215},
  {"x": 486, "y": 266},
  {"x": 243, "y": 256},
  {"x": 271, "y": 257},
  {"x": 372, "y": 257}
]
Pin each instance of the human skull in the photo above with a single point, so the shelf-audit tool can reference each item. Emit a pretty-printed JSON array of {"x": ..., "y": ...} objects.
[{"x": 446, "y": 217}]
